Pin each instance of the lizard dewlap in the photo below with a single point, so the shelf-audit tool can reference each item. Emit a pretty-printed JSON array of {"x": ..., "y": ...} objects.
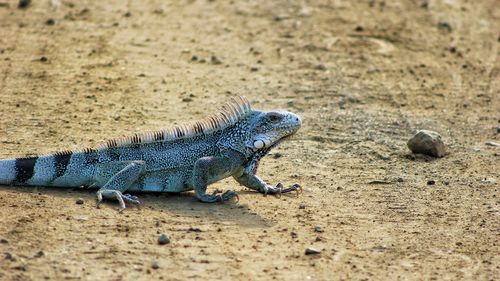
[{"x": 228, "y": 143}]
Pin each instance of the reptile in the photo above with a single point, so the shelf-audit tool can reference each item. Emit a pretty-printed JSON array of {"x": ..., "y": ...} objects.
[{"x": 230, "y": 142}]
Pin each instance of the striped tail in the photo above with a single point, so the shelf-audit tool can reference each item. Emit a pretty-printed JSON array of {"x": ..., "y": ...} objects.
[{"x": 45, "y": 170}]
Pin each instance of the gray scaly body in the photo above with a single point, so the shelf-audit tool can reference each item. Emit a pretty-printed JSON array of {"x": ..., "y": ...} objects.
[{"x": 228, "y": 143}]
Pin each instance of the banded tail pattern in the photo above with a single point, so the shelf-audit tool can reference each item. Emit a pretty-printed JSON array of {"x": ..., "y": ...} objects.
[{"x": 58, "y": 169}]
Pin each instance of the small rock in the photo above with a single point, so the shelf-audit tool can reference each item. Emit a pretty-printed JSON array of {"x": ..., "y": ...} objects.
[
  {"x": 492, "y": 143},
  {"x": 320, "y": 66},
  {"x": 4, "y": 241},
  {"x": 194, "y": 58},
  {"x": 23, "y": 4},
  {"x": 498, "y": 130},
  {"x": 431, "y": 182},
  {"x": 318, "y": 229},
  {"x": 317, "y": 239},
  {"x": 215, "y": 60},
  {"x": 9, "y": 256},
  {"x": 187, "y": 99},
  {"x": 79, "y": 201},
  {"x": 312, "y": 251},
  {"x": 254, "y": 69},
  {"x": 277, "y": 155},
  {"x": 444, "y": 26},
  {"x": 400, "y": 179},
  {"x": 163, "y": 239},
  {"x": 359, "y": 28},
  {"x": 155, "y": 265},
  {"x": 127, "y": 14},
  {"x": 39, "y": 254},
  {"x": 489, "y": 181},
  {"x": 43, "y": 59},
  {"x": 50, "y": 22},
  {"x": 427, "y": 142},
  {"x": 302, "y": 206}
]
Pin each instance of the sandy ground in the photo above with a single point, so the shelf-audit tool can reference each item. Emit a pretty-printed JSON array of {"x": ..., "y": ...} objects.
[{"x": 364, "y": 75}]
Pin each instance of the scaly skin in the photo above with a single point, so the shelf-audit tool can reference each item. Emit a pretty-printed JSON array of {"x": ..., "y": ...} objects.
[{"x": 230, "y": 143}]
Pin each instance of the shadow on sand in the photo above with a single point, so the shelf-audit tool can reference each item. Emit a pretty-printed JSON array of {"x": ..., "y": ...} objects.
[{"x": 175, "y": 204}]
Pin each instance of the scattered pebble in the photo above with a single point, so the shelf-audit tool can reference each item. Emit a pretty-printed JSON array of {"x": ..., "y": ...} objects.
[
  {"x": 9, "y": 256},
  {"x": 431, "y": 182},
  {"x": 39, "y": 254},
  {"x": 302, "y": 206},
  {"x": 23, "y": 4},
  {"x": 4, "y": 241},
  {"x": 194, "y": 58},
  {"x": 43, "y": 59},
  {"x": 155, "y": 265},
  {"x": 445, "y": 26},
  {"x": 489, "y": 180},
  {"x": 127, "y": 14},
  {"x": 277, "y": 155},
  {"x": 254, "y": 69},
  {"x": 318, "y": 229},
  {"x": 359, "y": 28},
  {"x": 79, "y": 201},
  {"x": 321, "y": 67},
  {"x": 163, "y": 239},
  {"x": 312, "y": 251},
  {"x": 492, "y": 143},
  {"x": 215, "y": 60},
  {"x": 50, "y": 22},
  {"x": 428, "y": 143},
  {"x": 317, "y": 239},
  {"x": 498, "y": 130},
  {"x": 400, "y": 179}
]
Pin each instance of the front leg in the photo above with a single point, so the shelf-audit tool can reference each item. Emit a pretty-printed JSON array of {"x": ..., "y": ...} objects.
[
  {"x": 254, "y": 182},
  {"x": 210, "y": 169}
]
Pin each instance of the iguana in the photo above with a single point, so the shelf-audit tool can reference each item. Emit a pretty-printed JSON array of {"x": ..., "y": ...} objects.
[{"x": 230, "y": 142}]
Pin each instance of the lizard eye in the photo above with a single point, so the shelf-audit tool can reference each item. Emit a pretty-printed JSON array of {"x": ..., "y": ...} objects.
[{"x": 274, "y": 117}]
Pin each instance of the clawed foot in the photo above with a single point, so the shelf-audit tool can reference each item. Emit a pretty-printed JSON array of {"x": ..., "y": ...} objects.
[
  {"x": 278, "y": 190},
  {"x": 115, "y": 194},
  {"x": 215, "y": 197}
]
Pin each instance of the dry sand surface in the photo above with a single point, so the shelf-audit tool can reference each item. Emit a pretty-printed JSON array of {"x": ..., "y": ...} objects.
[{"x": 364, "y": 75}]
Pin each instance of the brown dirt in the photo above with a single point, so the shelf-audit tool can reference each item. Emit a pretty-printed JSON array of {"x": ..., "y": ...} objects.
[{"x": 364, "y": 75}]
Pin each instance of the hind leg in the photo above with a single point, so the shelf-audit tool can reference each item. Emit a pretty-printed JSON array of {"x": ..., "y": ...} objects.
[{"x": 120, "y": 182}]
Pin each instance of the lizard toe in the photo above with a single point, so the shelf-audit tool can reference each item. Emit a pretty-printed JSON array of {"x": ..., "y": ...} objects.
[{"x": 228, "y": 195}]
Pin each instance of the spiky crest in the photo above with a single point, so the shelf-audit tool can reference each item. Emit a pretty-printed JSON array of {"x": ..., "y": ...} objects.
[{"x": 228, "y": 115}]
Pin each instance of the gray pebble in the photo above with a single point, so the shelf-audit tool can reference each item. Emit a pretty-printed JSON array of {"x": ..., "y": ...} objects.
[
  {"x": 302, "y": 206},
  {"x": 155, "y": 265},
  {"x": 492, "y": 143},
  {"x": 215, "y": 60},
  {"x": 318, "y": 229},
  {"x": 312, "y": 251},
  {"x": 163, "y": 239},
  {"x": 79, "y": 201},
  {"x": 428, "y": 143}
]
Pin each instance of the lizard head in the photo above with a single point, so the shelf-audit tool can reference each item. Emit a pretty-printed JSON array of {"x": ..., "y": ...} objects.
[{"x": 270, "y": 128}]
